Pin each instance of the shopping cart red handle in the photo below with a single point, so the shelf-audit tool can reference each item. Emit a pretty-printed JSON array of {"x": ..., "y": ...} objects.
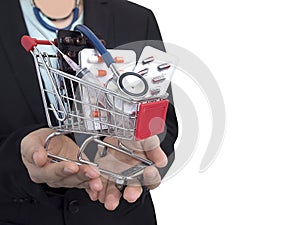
[{"x": 29, "y": 43}]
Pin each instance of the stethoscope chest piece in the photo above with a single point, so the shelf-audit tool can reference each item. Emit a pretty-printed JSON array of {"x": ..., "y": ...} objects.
[{"x": 133, "y": 84}]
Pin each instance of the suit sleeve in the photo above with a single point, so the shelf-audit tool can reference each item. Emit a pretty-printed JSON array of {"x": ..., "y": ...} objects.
[
  {"x": 170, "y": 134},
  {"x": 14, "y": 178}
]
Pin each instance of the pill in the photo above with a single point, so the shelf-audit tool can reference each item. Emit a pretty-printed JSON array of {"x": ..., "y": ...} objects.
[
  {"x": 68, "y": 40},
  {"x": 79, "y": 41},
  {"x": 143, "y": 72},
  {"x": 95, "y": 113},
  {"x": 163, "y": 66},
  {"x": 71, "y": 54},
  {"x": 158, "y": 79},
  {"x": 154, "y": 91},
  {"x": 95, "y": 59},
  {"x": 148, "y": 60},
  {"x": 101, "y": 73},
  {"x": 119, "y": 59}
]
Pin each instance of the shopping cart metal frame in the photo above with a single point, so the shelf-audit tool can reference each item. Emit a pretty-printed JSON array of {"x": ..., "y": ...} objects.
[{"x": 69, "y": 115}]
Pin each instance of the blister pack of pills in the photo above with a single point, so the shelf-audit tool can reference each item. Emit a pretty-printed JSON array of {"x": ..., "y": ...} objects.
[
  {"x": 70, "y": 43},
  {"x": 157, "y": 67},
  {"x": 89, "y": 58}
]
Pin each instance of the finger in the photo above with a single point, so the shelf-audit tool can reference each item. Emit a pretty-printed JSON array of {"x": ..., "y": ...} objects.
[
  {"x": 102, "y": 193},
  {"x": 40, "y": 157},
  {"x": 87, "y": 176},
  {"x": 157, "y": 156},
  {"x": 132, "y": 193},
  {"x": 92, "y": 194},
  {"x": 32, "y": 147},
  {"x": 152, "y": 178},
  {"x": 95, "y": 185},
  {"x": 32, "y": 150},
  {"x": 87, "y": 172},
  {"x": 54, "y": 172},
  {"x": 112, "y": 197}
]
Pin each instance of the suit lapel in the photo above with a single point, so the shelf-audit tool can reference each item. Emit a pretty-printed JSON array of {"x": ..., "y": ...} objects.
[
  {"x": 21, "y": 61},
  {"x": 98, "y": 16}
]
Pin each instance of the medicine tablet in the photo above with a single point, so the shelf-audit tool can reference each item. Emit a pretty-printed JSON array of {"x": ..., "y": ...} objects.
[
  {"x": 68, "y": 40},
  {"x": 163, "y": 66},
  {"x": 95, "y": 113},
  {"x": 95, "y": 59},
  {"x": 154, "y": 91},
  {"x": 119, "y": 59},
  {"x": 158, "y": 79},
  {"x": 143, "y": 72},
  {"x": 99, "y": 73},
  {"x": 148, "y": 60}
]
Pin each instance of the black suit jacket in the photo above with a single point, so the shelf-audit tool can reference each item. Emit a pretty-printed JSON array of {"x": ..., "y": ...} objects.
[{"x": 22, "y": 201}]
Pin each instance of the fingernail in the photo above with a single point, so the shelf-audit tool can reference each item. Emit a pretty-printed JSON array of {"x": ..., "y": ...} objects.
[
  {"x": 97, "y": 187},
  {"x": 111, "y": 204},
  {"x": 87, "y": 175},
  {"x": 151, "y": 175},
  {"x": 96, "y": 170},
  {"x": 68, "y": 170},
  {"x": 92, "y": 174},
  {"x": 35, "y": 157},
  {"x": 162, "y": 163},
  {"x": 132, "y": 196}
]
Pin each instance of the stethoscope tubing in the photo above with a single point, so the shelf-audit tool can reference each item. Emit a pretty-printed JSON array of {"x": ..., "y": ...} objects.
[
  {"x": 108, "y": 59},
  {"x": 110, "y": 62},
  {"x": 37, "y": 13}
]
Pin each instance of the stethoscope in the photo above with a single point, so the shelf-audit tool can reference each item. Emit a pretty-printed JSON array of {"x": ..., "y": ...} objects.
[
  {"x": 38, "y": 12},
  {"x": 130, "y": 83}
]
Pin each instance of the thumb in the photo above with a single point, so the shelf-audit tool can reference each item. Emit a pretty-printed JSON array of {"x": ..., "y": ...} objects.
[
  {"x": 33, "y": 151},
  {"x": 40, "y": 157},
  {"x": 157, "y": 156}
]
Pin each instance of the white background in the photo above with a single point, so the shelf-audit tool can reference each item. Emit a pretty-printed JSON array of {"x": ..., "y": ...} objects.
[{"x": 253, "y": 50}]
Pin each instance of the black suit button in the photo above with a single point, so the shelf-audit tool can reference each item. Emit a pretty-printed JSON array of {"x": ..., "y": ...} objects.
[{"x": 73, "y": 206}]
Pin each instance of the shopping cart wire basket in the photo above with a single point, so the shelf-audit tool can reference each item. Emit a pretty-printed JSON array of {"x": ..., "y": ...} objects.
[{"x": 74, "y": 103}]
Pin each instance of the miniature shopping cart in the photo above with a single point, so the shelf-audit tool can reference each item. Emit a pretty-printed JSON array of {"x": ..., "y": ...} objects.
[{"x": 69, "y": 108}]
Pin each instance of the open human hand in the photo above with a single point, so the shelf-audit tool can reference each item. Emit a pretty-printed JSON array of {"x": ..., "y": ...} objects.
[
  {"x": 61, "y": 174},
  {"x": 117, "y": 162}
]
